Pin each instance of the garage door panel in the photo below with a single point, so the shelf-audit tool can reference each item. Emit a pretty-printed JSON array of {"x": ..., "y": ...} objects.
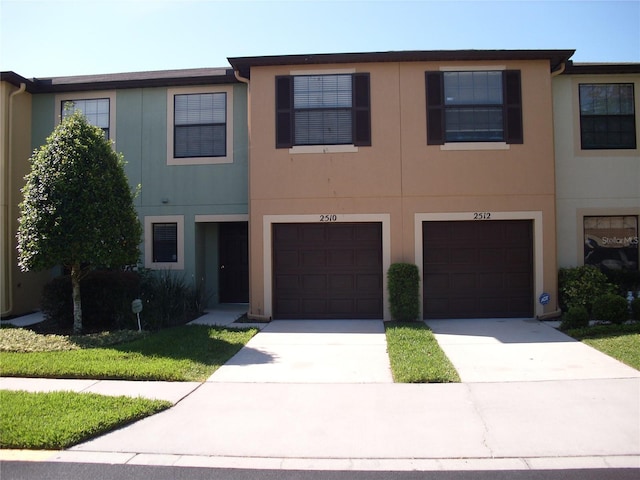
[
  {"x": 315, "y": 282},
  {"x": 311, "y": 259},
  {"x": 339, "y": 267},
  {"x": 463, "y": 281},
  {"x": 369, "y": 258},
  {"x": 436, "y": 281},
  {"x": 340, "y": 258},
  {"x": 464, "y": 256},
  {"x": 518, "y": 281},
  {"x": 340, "y": 282},
  {"x": 312, "y": 234},
  {"x": 286, "y": 233},
  {"x": 287, "y": 282},
  {"x": 491, "y": 281},
  {"x": 286, "y": 259},
  {"x": 368, "y": 282},
  {"x": 437, "y": 255},
  {"x": 478, "y": 269}
]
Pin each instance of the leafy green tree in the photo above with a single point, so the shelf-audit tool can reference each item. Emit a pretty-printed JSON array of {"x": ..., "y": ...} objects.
[{"x": 78, "y": 207}]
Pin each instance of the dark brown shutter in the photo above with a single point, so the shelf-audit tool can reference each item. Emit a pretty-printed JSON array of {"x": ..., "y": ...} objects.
[
  {"x": 435, "y": 107},
  {"x": 513, "y": 107},
  {"x": 284, "y": 112},
  {"x": 361, "y": 110}
]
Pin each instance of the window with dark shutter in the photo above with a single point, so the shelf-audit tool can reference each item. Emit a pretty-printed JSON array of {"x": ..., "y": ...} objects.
[
  {"x": 200, "y": 128},
  {"x": 435, "y": 108},
  {"x": 362, "y": 110},
  {"x": 323, "y": 110},
  {"x": 473, "y": 106},
  {"x": 284, "y": 112}
]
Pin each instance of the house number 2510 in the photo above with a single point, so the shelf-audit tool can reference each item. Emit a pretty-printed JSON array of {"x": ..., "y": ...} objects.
[
  {"x": 482, "y": 215},
  {"x": 329, "y": 218}
]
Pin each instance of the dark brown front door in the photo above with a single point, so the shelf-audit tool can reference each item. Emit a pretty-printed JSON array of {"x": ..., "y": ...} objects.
[
  {"x": 478, "y": 269},
  {"x": 234, "y": 262},
  {"x": 331, "y": 270}
]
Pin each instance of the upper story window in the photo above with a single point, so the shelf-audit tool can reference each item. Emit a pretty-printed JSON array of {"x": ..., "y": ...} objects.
[
  {"x": 607, "y": 116},
  {"x": 331, "y": 109},
  {"x": 474, "y": 106},
  {"x": 200, "y": 125},
  {"x": 96, "y": 111}
]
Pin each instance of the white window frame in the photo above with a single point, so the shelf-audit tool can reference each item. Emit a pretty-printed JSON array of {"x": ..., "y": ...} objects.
[
  {"x": 148, "y": 242},
  {"x": 74, "y": 96},
  {"x": 171, "y": 93}
]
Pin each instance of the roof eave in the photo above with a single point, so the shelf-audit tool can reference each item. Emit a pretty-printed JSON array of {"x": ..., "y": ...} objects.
[{"x": 555, "y": 57}]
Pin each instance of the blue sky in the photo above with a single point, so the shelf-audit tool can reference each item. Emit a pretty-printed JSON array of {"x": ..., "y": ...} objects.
[{"x": 44, "y": 38}]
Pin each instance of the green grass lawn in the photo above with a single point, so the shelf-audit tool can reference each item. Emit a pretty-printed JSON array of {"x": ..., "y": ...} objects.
[
  {"x": 415, "y": 355},
  {"x": 621, "y": 342},
  {"x": 57, "y": 420},
  {"x": 186, "y": 353}
]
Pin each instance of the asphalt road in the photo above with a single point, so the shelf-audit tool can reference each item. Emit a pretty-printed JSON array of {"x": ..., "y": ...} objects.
[{"x": 84, "y": 471}]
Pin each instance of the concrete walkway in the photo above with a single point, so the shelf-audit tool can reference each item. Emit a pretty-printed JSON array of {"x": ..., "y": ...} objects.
[{"x": 300, "y": 400}]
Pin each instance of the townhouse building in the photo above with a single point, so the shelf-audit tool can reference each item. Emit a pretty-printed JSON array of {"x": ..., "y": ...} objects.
[
  {"x": 442, "y": 159},
  {"x": 315, "y": 173},
  {"x": 597, "y": 165},
  {"x": 183, "y": 135}
]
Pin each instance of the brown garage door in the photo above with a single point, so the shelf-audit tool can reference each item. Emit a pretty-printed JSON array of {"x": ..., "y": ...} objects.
[
  {"x": 327, "y": 270},
  {"x": 478, "y": 269}
]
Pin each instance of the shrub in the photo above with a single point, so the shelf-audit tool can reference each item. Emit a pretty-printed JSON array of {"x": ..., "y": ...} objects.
[
  {"x": 579, "y": 286},
  {"x": 576, "y": 317},
  {"x": 168, "y": 300},
  {"x": 611, "y": 308},
  {"x": 106, "y": 300},
  {"x": 635, "y": 309},
  {"x": 404, "y": 294}
]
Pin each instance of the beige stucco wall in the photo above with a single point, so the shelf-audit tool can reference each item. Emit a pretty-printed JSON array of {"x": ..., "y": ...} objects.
[
  {"x": 399, "y": 176},
  {"x": 589, "y": 182},
  {"x": 20, "y": 291}
]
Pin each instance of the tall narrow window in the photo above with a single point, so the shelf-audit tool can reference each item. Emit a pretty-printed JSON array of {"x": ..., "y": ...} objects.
[
  {"x": 200, "y": 128},
  {"x": 607, "y": 116},
  {"x": 95, "y": 110},
  {"x": 165, "y": 242}
]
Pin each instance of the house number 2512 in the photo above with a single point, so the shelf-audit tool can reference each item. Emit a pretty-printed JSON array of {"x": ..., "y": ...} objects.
[{"x": 482, "y": 215}]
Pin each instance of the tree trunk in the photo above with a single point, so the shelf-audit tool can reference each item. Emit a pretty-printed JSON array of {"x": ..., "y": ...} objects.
[{"x": 77, "y": 304}]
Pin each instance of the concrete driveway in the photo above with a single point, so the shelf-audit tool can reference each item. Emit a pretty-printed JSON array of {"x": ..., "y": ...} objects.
[
  {"x": 521, "y": 350},
  {"x": 312, "y": 351}
]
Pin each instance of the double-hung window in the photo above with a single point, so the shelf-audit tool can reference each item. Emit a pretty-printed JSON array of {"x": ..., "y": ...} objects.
[
  {"x": 95, "y": 110},
  {"x": 165, "y": 242},
  {"x": 328, "y": 109},
  {"x": 200, "y": 128},
  {"x": 607, "y": 116},
  {"x": 474, "y": 106}
]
